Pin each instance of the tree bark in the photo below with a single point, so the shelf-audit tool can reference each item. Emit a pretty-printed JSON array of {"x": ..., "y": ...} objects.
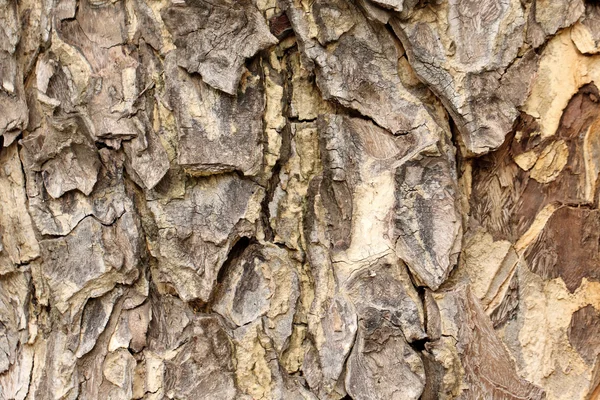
[{"x": 299, "y": 199}]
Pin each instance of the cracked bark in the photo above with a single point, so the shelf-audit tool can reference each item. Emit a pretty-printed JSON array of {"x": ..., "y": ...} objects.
[{"x": 292, "y": 199}]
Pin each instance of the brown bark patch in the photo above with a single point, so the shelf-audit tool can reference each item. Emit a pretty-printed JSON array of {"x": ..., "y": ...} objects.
[
  {"x": 584, "y": 332},
  {"x": 507, "y": 196},
  {"x": 568, "y": 247}
]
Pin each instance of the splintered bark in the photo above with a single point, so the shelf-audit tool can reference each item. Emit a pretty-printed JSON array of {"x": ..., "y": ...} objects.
[{"x": 299, "y": 199}]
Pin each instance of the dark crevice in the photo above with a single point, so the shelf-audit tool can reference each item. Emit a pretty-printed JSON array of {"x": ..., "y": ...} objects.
[
  {"x": 284, "y": 152},
  {"x": 458, "y": 144},
  {"x": 293, "y": 252},
  {"x": 236, "y": 251},
  {"x": 102, "y": 145},
  {"x": 273, "y": 182},
  {"x": 265, "y": 211},
  {"x": 284, "y": 155},
  {"x": 413, "y": 280},
  {"x": 421, "y": 294},
  {"x": 298, "y": 120},
  {"x": 419, "y": 345},
  {"x": 388, "y": 27},
  {"x": 234, "y": 254},
  {"x": 353, "y": 113},
  {"x": 205, "y": 307},
  {"x": 239, "y": 174}
]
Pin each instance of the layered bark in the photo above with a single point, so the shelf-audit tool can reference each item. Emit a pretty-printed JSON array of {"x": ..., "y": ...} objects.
[{"x": 364, "y": 199}]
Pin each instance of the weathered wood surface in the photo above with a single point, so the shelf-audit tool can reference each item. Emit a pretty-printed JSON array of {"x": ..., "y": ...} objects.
[{"x": 294, "y": 199}]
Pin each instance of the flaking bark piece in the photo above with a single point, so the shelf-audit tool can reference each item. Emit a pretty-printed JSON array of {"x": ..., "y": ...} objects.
[{"x": 214, "y": 38}]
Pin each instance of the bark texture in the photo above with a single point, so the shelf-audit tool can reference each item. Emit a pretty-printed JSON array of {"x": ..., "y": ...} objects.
[{"x": 299, "y": 199}]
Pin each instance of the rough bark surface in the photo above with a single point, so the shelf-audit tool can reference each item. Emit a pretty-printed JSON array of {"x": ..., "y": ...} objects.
[{"x": 299, "y": 199}]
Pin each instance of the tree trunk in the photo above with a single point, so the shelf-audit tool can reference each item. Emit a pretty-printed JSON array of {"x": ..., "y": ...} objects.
[{"x": 299, "y": 199}]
